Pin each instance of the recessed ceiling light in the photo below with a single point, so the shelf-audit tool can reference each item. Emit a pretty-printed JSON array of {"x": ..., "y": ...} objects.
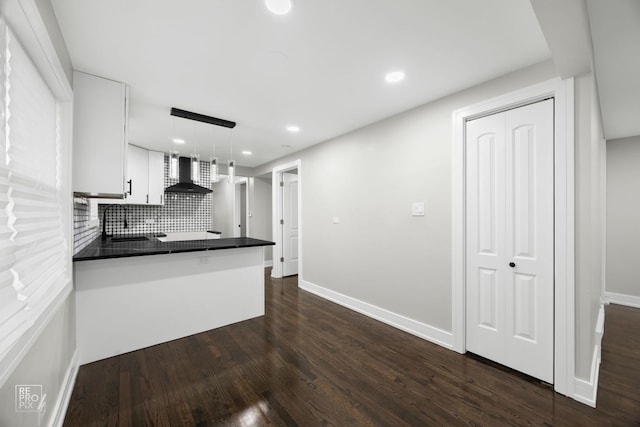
[
  {"x": 293, "y": 128},
  {"x": 279, "y": 7},
  {"x": 247, "y": 152},
  {"x": 178, "y": 141},
  {"x": 394, "y": 77}
]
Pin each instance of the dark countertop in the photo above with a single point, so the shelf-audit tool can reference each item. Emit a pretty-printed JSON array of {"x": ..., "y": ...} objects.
[{"x": 99, "y": 250}]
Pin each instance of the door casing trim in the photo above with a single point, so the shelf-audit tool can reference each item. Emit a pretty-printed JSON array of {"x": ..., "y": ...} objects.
[
  {"x": 276, "y": 177},
  {"x": 564, "y": 218}
]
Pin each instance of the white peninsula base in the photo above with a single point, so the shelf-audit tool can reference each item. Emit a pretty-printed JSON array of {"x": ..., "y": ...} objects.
[{"x": 125, "y": 304}]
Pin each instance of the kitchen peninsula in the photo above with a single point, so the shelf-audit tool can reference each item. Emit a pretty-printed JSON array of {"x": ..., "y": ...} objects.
[{"x": 140, "y": 292}]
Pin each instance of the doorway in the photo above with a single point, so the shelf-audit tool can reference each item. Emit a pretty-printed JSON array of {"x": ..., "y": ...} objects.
[
  {"x": 287, "y": 219},
  {"x": 509, "y": 238},
  {"x": 562, "y": 91},
  {"x": 289, "y": 223},
  {"x": 240, "y": 214}
]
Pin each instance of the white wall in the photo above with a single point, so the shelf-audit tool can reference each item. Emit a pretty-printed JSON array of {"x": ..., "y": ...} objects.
[
  {"x": 260, "y": 206},
  {"x": 623, "y": 216},
  {"x": 379, "y": 253},
  {"x": 222, "y": 211},
  {"x": 46, "y": 364},
  {"x": 590, "y": 167}
]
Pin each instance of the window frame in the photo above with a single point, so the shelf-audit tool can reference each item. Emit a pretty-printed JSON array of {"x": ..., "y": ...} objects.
[{"x": 24, "y": 19}]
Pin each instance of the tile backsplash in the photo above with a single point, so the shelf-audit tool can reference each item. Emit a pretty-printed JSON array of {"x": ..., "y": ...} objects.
[
  {"x": 180, "y": 212},
  {"x": 83, "y": 233}
]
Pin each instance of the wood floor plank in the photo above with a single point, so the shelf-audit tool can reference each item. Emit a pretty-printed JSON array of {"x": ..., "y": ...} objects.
[{"x": 310, "y": 362}]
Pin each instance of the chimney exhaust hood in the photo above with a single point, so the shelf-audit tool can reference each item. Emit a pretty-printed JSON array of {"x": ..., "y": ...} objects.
[{"x": 185, "y": 184}]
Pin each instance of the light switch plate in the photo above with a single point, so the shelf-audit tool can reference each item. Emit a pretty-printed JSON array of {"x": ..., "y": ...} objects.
[
  {"x": 336, "y": 220},
  {"x": 417, "y": 209}
]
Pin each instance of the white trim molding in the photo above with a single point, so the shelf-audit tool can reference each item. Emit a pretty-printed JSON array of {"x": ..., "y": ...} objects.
[
  {"x": 64, "y": 395},
  {"x": 621, "y": 299},
  {"x": 562, "y": 92},
  {"x": 587, "y": 391},
  {"x": 419, "y": 329}
]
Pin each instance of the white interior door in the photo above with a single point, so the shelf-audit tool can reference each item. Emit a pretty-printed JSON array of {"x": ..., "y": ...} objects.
[
  {"x": 509, "y": 274},
  {"x": 290, "y": 227},
  {"x": 240, "y": 208}
]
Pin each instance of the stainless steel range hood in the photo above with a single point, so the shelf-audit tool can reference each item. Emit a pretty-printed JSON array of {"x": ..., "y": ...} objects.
[{"x": 185, "y": 183}]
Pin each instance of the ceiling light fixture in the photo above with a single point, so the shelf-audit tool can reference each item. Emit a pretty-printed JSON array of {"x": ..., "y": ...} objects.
[
  {"x": 178, "y": 141},
  {"x": 202, "y": 118},
  {"x": 279, "y": 7},
  {"x": 394, "y": 77},
  {"x": 247, "y": 152},
  {"x": 293, "y": 128}
]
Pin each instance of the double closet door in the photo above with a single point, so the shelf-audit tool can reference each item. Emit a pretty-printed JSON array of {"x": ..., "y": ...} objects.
[{"x": 510, "y": 238}]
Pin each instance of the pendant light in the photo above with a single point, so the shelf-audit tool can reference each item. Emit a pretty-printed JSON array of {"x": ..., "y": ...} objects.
[
  {"x": 195, "y": 159},
  {"x": 231, "y": 169},
  {"x": 213, "y": 163},
  {"x": 174, "y": 156},
  {"x": 173, "y": 164},
  {"x": 215, "y": 177},
  {"x": 195, "y": 168}
]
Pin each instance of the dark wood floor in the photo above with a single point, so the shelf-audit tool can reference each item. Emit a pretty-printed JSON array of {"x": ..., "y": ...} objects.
[{"x": 309, "y": 362}]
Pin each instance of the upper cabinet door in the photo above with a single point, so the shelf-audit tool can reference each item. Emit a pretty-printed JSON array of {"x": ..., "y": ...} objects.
[
  {"x": 137, "y": 184},
  {"x": 156, "y": 178},
  {"x": 99, "y": 143}
]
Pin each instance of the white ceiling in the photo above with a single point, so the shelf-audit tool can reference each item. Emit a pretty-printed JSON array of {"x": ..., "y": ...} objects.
[
  {"x": 321, "y": 67},
  {"x": 615, "y": 33}
]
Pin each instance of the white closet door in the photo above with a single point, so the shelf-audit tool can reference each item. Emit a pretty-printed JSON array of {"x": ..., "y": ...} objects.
[
  {"x": 510, "y": 238},
  {"x": 290, "y": 230}
]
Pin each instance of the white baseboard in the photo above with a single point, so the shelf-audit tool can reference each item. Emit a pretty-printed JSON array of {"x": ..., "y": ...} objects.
[
  {"x": 586, "y": 391},
  {"x": 621, "y": 299},
  {"x": 268, "y": 263},
  {"x": 422, "y": 330},
  {"x": 64, "y": 396}
]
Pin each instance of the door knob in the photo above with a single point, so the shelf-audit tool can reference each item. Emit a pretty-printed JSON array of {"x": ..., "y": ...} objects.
[{"x": 512, "y": 264}]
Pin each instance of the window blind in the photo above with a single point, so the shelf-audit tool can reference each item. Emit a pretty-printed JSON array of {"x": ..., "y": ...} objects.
[{"x": 33, "y": 267}]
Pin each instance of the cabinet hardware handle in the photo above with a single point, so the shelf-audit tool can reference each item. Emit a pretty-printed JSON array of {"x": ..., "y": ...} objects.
[
  {"x": 512, "y": 264},
  {"x": 130, "y": 187},
  {"x": 147, "y": 199}
]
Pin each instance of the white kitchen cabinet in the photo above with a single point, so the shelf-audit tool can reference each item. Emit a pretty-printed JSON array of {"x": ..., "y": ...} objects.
[
  {"x": 99, "y": 140},
  {"x": 224, "y": 287},
  {"x": 137, "y": 183},
  {"x": 145, "y": 176}
]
